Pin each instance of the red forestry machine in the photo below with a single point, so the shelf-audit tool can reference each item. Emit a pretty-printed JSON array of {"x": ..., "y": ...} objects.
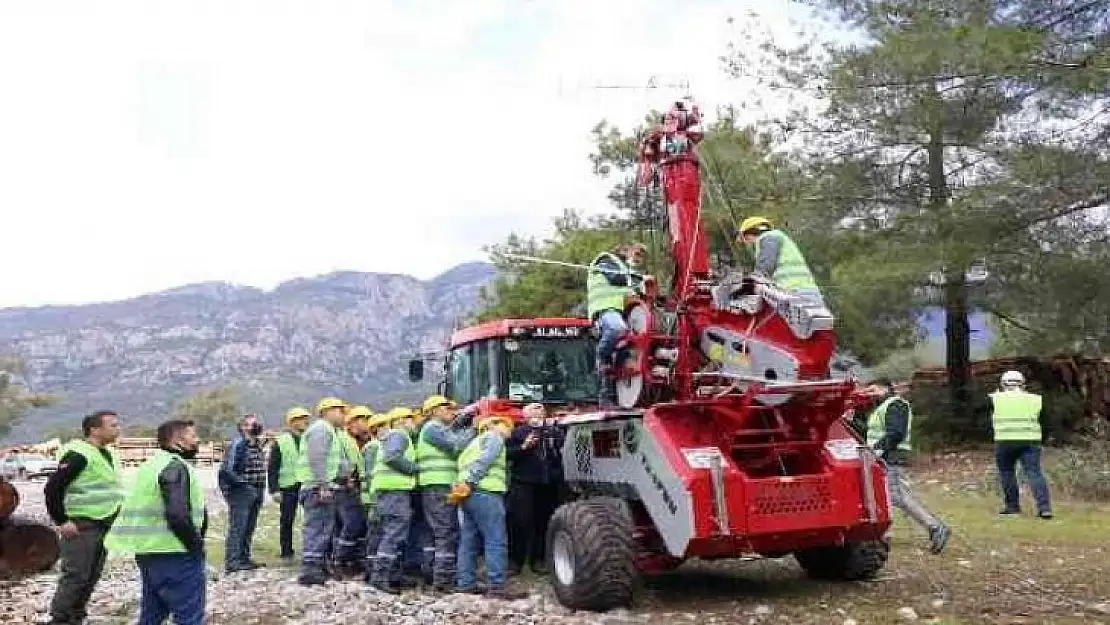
[{"x": 730, "y": 441}]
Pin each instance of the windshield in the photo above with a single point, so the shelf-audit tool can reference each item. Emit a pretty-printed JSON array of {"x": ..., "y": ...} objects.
[{"x": 551, "y": 370}]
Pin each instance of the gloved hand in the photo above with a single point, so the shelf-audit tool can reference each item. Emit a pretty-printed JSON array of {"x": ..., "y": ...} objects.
[{"x": 459, "y": 491}]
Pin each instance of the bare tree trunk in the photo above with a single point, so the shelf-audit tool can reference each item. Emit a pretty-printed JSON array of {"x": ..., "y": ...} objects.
[{"x": 957, "y": 334}]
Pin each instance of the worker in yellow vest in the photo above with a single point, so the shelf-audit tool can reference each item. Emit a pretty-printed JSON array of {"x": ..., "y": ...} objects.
[
  {"x": 375, "y": 425},
  {"x": 437, "y": 451},
  {"x": 163, "y": 522},
  {"x": 82, "y": 498},
  {"x": 1015, "y": 421},
  {"x": 322, "y": 470},
  {"x": 393, "y": 482},
  {"x": 282, "y": 475},
  {"x": 350, "y": 532},
  {"x": 480, "y": 493},
  {"x": 778, "y": 258},
  {"x": 889, "y": 431},
  {"x": 612, "y": 278}
]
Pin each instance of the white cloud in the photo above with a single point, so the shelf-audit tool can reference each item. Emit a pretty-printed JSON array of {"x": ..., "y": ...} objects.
[{"x": 148, "y": 144}]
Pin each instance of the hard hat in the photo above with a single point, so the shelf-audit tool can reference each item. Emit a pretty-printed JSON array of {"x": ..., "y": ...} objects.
[
  {"x": 1012, "y": 378},
  {"x": 485, "y": 422},
  {"x": 400, "y": 412},
  {"x": 435, "y": 401},
  {"x": 297, "y": 413},
  {"x": 752, "y": 223},
  {"x": 358, "y": 412},
  {"x": 378, "y": 420},
  {"x": 328, "y": 403}
]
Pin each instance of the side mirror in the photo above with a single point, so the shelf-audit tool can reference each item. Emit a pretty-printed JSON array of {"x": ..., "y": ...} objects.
[{"x": 416, "y": 370}]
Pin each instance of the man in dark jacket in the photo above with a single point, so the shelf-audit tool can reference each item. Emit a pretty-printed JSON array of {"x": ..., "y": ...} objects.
[
  {"x": 83, "y": 498},
  {"x": 163, "y": 522},
  {"x": 889, "y": 432},
  {"x": 534, "y": 451},
  {"x": 242, "y": 481}
]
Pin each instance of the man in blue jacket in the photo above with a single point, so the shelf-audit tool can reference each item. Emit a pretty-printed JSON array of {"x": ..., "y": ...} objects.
[
  {"x": 535, "y": 481},
  {"x": 242, "y": 481}
]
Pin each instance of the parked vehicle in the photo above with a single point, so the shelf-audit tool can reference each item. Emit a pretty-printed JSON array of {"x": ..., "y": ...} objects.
[{"x": 27, "y": 466}]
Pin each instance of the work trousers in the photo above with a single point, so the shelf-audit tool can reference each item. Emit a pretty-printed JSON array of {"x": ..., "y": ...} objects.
[
  {"x": 319, "y": 523},
  {"x": 530, "y": 507},
  {"x": 1006, "y": 457},
  {"x": 902, "y": 497},
  {"x": 443, "y": 520},
  {"x": 419, "y": 536},
  {"x": 373, "y": 535},
  {"x": 243, "y": 505},
  {"x": 395, "y": 516},
  {"x": 351, "y": 527},
  {"x": 288, "y": 517},
  {"x": 483, "y": 532},
  {"x": 82, "y": 564},
  {"x": 612, "y": 328},
  {"x": 174, "y": 584}
]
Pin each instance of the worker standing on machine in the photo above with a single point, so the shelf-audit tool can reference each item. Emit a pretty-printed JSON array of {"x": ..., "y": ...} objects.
[
  {"x": 778, "y": 259},
  {"x": 889, "y": 433},
  {"x": 612, "y": 278},
  {"x": 437, "y": 452},
  {"x": 393, "y": 482},
  {"x": 320, "y": 470},
  {"x": 480, "y": 492},
  {"x": 1015, "y": 421},
  {"x": 282, "y": 476},
  {"x": 351, "y": 527}
]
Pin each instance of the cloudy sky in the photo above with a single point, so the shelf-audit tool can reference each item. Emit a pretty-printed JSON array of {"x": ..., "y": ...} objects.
[{"x": 149, "y": 144}]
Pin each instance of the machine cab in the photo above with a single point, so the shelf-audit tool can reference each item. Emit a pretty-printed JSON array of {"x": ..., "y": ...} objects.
[{"x": 520, "y": 361}]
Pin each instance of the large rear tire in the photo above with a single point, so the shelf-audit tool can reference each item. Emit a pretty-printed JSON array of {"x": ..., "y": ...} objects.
[
  {"x": 590, "y": 554},
  {"x": 849, "y": 562}
]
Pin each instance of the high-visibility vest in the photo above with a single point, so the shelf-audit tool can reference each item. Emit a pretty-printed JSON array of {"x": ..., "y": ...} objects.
[
  {"x": 386, "y": 477},
  {"x": 290, "y": 458},
  {"x": 791, "y": 271},
  {"x": 876, "y": 424},
  {"x": 495, "y": 479},
  {"x": 370, "y": 449},
  {"x": 351, "y": 453},
  {"x": 97, "y": 491},
  {"x": 602, "y": 296},
  {"x": 437, "y": 468},
  {"x": 1015, "y": 416},
  {"x": 335, "y": 453},
  {"x": 141, "y": 526}
]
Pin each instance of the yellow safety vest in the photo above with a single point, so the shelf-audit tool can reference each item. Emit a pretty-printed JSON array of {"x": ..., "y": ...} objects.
[
  {"x": 141, "y": 526},
  {"x": 97, "y": 492},
  {"x": 602, "y": 296},
  {"x": 876, "y": 424},
  {"x": 495, "y": 479},
  {"x": 437, "y": 468},
  {"x": 1015, "y": 416},
  {"x": 290, "y": 457},
  {"x": 335, "y": 453},
  {"x": 791, "y": 270},
  {"x": 352, "y": 453},
  {"x": 385, "y": 477}
]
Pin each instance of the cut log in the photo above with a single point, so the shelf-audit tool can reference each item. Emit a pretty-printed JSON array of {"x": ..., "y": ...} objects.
[
  {"x": 9, "y": 499},
  {"x": 27, "y": 547}
]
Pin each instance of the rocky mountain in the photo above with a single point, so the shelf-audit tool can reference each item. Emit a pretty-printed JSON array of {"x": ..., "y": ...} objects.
[{"x": 346, "y": 333}]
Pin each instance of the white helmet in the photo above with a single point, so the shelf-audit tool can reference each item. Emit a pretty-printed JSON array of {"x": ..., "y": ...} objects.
[{"x": 1012, "y": 378}]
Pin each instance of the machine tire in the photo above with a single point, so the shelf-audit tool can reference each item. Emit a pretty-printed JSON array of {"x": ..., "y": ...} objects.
[
  {"x": 849, "y": 562},
  {"x": 590, "y": 554}
]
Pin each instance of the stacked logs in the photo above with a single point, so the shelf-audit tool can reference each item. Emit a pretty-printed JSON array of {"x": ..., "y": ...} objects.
[
  {"x": 26, "y": 546},
  {"x": 1087, "y": 378}
]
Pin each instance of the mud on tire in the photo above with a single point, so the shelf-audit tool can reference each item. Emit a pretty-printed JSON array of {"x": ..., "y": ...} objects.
[
  {"x": 590, "y": 554},
  {"x": 849, "y": 562}
]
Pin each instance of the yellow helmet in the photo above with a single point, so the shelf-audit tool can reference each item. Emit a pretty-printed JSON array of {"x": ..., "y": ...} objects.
[
  {"x": 485, "y": 422},
  {"x": 401, "y": 412},
  {"x": 328, "y": 403},
  {"x": 435, "y": 401},
  {"x": 378, "y": 420},
  {"x": 358, "y": 412},
  {"x": 753, "y": 223},
  {"x": 296, "y": 412}
]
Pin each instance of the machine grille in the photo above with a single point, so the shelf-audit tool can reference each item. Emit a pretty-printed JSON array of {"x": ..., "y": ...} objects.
[{"x": 792, "y": 496}]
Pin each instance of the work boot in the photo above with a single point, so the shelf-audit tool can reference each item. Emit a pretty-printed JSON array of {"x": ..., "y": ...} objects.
[
  {"x": 1008, "y": 511},
  {"x": 539, "y": 567},
  {"x": 1045, "y": 515},
  {"x": 313, "y": 578},
  {"x": 477, "y": 589},
  {"x": 938, "y": 538},
  {"x": 386, "y": 587}
]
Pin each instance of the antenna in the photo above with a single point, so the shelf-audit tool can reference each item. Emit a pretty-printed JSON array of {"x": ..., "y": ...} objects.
[{"x": 651, "y": 82}]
